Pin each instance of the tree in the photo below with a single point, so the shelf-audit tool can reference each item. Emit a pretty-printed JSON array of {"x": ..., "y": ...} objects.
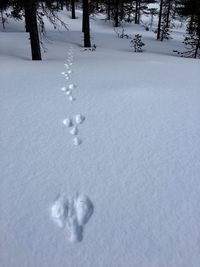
[
  {"x": 137, "y": 43},
  {"x": 3, "y": 6},
  {"x": 73, "y": 9},
  {"x": 86, "y": 24},
  {"x": 191, "y": 8},
  {"x": 160, "y": 19},
  {"x": 166, "y": 13},
  {"x": 32, "y": 27}
]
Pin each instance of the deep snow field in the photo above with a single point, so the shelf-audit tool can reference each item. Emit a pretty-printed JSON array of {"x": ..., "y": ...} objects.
[{"x": 126, "y": 191}]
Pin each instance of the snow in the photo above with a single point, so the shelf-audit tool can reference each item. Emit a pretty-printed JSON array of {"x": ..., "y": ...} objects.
[{"x": 137, "y": 157}]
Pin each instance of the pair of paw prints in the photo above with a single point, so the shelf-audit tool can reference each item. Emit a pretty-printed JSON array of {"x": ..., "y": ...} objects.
[{"x": 72, "y": 214}]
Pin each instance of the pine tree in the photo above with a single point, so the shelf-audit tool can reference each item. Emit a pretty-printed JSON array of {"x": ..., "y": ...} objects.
[
  {"x": 191, "y": 9},
  {"x": 137, "y": 43},
  {"x": 165, "y": 17}
]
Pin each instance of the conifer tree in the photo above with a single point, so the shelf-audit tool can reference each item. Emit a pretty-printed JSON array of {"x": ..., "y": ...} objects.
[{"x": 191, "y": 9}]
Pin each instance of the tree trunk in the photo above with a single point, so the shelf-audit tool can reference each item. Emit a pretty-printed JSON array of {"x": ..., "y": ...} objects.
[
  {"x": 61, "y": 4},
  {"x": 97, "y": 5},
  {"x": 108, "y": 9},
  {"x": 168, "y": 13},
  {"x": 198, "y": 34},
  {"x": 136, "y": 11},
  {"x": 2, "y": 19},
  {"x": 190, "y": 28},
  {"x": 73, "y": 9},
  {"x": 116, "y": 13},
  {"x": 160, "y": 19},
  {"x": 197, "y": 48},
  {"x": 27, "y": 19},
  {"x": 86, "y": 24},
  {"x": 139, "y": 13},
  {"x": 32, "y": 27},
  {"x": 122, "y": 11}
]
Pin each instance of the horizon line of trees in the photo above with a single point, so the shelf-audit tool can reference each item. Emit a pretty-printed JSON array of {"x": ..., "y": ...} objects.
[{"x": 118, "y": 11}]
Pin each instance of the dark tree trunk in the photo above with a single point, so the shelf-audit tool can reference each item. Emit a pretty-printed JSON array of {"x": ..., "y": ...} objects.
[
  {"x": 116, "y": 13},
  {"x": 61, "y": 4},
  {"x": 136, "y": 11},
  {"x": 68, "y": 5},
  {"x": 57, "y": 5},
  {"x": 190, "y": 28},
  {"x": 83, "y": 18},
  {"x": 197, "y": 48},
  {"x": 97, "y": 5},
  {"x": 160, "y": 19},
  {"x": 2, "y": 19},
  {"x": 139, "y": 8},
  {"x": 27, "y": 19},
  {"x": 198, "y": 34},
  {"x": 73, "y": 9},
  {"x": 32, "y": 28},
  {"x": 86, "y": 24},
  {"x": 122, "y": 11},
  {"x": 168, "y": 13},
  {"x": 108, "y": 9}
]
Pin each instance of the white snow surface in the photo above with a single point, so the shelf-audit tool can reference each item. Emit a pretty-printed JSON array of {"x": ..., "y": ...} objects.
[{"x": 138, "y": 161}]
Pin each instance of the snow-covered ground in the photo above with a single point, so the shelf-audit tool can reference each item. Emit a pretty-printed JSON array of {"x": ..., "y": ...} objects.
[{"x": 130, "y": 190}]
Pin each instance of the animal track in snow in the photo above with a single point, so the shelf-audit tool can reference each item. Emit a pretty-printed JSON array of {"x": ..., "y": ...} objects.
[
  {"x": 64, "y": 73},
  {"x": 74, "y": 123},
  {"x": 84, "y": 209},
  {"x": 59, "y": 211},
  {"x": 66, "y": 66},
  {"x": 69, "y": 61},
  {"x": 63, "y": 89},
  {"x": 79, "y": 118},
  {"x": 68, "y": 92},
  {"x": 74, "y": 130},
  {"x": 72, "y": 98},
  {"x": 68, "y": 122},
  {"x": 77, "y": 141},
  {"x": 72, "y": 214},
  {"x": 72, "y": 86}
]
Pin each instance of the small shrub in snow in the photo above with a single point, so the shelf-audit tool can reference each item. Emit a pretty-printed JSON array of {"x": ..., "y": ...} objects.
[
  {"x": 121, "y": 33},
  {"x": 136, "y": 43}
]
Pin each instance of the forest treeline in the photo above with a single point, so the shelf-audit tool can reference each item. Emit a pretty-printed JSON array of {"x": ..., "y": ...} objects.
[{"x": 118, "y": 11}]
